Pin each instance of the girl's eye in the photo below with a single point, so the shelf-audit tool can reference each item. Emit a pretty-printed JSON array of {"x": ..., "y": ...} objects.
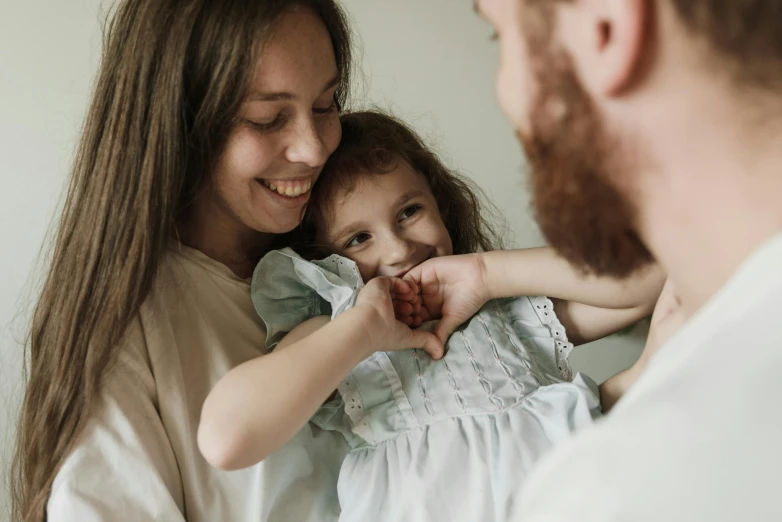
[
  {"x": 357, "y": 240},
  {"x": 275, "y": 124},
  {"x": 410, "y": 211}
]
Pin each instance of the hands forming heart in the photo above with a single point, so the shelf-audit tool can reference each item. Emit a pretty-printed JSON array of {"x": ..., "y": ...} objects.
[
  {"x": 451, "y": 289},
  {"x": 394, "y": 307}
]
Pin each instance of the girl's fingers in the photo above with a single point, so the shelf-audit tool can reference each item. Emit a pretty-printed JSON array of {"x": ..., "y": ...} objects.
[
  {"x": 413, "y": 286},
  {"x": 427, "y": 342},
  {"x": 401, "y": 287},
  {"x": 407, "y": 320},
  {"x": 403, "y": 308},
  {"x": 446, "y": 327}
]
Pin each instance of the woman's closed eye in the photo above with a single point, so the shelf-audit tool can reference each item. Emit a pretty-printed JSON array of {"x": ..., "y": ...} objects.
[
  {"x": 357, "y": 240},
  {"x": 269, "y": 125},
  {"x": 409, "y": 212},
  {"x": 326, "y": 110}
]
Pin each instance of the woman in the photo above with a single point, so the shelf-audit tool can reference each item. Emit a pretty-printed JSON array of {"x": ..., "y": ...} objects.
[{"x": 209, "y": 122}]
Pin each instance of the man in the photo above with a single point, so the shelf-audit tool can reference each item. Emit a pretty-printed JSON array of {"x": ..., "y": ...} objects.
[{"x": 654, "y": 130}]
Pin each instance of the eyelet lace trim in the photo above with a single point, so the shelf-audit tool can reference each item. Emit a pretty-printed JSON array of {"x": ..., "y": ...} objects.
[{"x": 545, "y": 310}]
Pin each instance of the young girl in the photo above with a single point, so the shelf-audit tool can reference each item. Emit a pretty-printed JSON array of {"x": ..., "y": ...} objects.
[{"x": 449, "y": 439}]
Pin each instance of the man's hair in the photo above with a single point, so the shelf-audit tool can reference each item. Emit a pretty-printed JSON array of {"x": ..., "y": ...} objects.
[{"x": 748, "y": 33}]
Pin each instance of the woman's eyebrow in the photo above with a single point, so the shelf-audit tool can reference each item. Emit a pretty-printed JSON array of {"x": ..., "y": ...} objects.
[{"x": 277, "y": 96}]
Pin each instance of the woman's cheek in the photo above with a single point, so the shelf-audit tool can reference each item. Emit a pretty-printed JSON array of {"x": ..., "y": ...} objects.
[
  {"x": 332, "y": 132},
  {"x": 248, "y": 155}
]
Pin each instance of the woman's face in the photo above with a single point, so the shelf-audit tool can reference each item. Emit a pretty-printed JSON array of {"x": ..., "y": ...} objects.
[{"x": 288, "y": 126}]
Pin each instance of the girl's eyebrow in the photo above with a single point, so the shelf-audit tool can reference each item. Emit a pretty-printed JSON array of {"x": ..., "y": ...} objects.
[
  {"x": 353, "y": 228},
  {"x": 404, "y": 198},
  {"x": 349, "y": 230}
]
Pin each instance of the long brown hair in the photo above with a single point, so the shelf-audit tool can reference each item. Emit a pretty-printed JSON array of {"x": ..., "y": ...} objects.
[
  {"x": 172, "y": 77},
  {"x": 372, "y": 144}
]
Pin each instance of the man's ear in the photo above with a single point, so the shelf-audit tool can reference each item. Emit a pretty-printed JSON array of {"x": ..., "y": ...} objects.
[{"x": 606, "y": 38}]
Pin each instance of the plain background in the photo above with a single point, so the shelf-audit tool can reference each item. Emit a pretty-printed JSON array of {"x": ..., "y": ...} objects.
[{"x": 428, "y": 61}]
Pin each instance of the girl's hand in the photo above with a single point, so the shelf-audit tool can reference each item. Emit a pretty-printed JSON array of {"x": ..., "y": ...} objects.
[
  {"x": 453, "y": 289},
  {"x": 668, "y": 318},
  {"x": 382, "y": 297}
]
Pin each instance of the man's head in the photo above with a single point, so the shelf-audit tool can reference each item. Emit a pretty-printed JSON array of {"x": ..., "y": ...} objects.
[{"x": 579, "y": 80}]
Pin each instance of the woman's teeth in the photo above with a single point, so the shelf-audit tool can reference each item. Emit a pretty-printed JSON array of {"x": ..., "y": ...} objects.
[{"x": 287, "y": 188}]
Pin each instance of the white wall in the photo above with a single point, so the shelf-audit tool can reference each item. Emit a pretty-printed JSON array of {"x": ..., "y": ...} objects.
[
  {"x": 49, "y": 54},
  {"x": 429, "y": 60}
]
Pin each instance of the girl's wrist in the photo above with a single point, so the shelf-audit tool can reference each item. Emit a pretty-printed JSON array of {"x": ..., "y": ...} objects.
[
  {"x": 615, "y": 388},
  {"x": 369, "y": 324},
  {"x": 612, "y": 390},
  {"x": 494, "y": 277}
]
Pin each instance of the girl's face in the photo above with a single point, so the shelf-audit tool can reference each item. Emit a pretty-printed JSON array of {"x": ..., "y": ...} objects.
[
  {"x": 288, "y": 126},
  {"x": 388, "y": 224}
]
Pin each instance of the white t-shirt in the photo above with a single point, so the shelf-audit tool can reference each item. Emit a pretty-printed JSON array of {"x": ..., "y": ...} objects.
[
  {"x": 138, "y": 459},
  {"x": 699, "y": 438}
]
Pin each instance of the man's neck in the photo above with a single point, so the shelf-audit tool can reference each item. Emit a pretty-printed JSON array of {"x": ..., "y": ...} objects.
[{"x": 714, "y": 197}]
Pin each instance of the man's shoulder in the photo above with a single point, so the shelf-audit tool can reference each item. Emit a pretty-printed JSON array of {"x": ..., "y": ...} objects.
[
  {"x": 666, "y": 457},
  {"x": 697, "y": 440}
]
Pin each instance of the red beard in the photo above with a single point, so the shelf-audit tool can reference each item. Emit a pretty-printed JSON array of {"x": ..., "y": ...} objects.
[{"x": 575, "y": 168}]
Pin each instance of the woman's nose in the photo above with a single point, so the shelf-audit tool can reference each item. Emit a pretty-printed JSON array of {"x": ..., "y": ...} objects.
[{"x": 306, "y": 145}]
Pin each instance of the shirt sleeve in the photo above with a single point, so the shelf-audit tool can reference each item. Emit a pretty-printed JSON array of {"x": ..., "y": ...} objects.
[
  {"x": 646, "y": 463},
  {"x": 123, "y": 466},
  {"x": 288, "y": 290}
]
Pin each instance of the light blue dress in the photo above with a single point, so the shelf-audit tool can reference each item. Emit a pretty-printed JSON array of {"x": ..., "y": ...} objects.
[{"x": 449, "y": 440}]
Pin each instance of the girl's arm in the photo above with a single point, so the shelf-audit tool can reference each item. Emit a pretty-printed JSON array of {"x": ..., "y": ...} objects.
[
  {"x": 304, "y": 330},
  {"x": 261, "y": 404},
  {"x": 584, "y": 323},
  {"x": 453, "y": 289},
  {"x": 589, "y": 307},
  {"x": 668, "y": 318}
]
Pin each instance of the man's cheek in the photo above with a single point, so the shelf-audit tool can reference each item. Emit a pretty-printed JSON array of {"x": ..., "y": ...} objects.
[
  {"x": 510, "y": 98},
  {"x": 513, "y": 90}
]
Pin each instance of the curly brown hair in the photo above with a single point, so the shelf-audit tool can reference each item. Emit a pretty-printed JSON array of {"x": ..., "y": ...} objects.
[{"x": 372, "y": 144}]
